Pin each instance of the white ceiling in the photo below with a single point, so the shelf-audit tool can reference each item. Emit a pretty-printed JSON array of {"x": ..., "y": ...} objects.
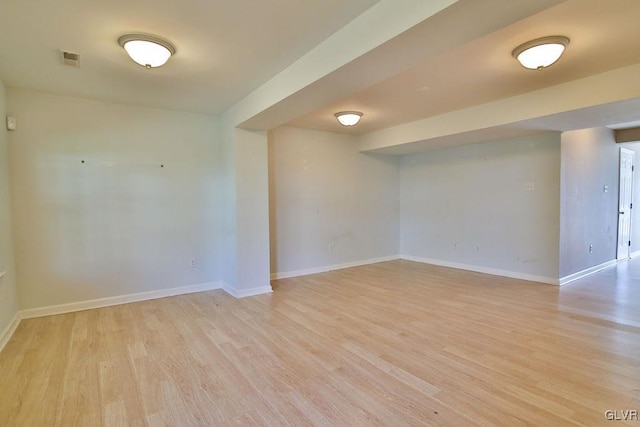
[
  {"x": 225, "y": 49},
  {"x": 604, "y": 35}
]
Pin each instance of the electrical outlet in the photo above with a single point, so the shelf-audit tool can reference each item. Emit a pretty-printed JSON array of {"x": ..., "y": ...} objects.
[
  {"x": 530, "y": 186},
  {"x": 194, "y": 263},
  {"x": 590, "y": 249},
  {"x": 330, "y": 247},
  {"x": 11, "y": 123}
]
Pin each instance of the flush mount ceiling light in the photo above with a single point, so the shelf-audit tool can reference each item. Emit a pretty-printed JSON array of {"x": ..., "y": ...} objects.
[
  {"x": 348, "y": 118},
  {"x": 147, "y": 50},
  {"x": 540, "y": 53}
]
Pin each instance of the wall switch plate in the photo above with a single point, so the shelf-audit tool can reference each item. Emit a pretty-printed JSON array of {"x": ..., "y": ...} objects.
[{"x": 11, "y": 123}]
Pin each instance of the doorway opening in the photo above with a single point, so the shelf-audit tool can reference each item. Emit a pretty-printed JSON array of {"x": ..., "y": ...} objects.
[{"x": 625, "y": 203}]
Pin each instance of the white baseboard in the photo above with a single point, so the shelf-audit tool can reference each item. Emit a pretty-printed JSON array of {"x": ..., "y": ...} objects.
[
  {"x": 486, "y": 270},
  {"x": 324, "y": 269},
  {"x": 6, "y": 335},
  {"x": 580, "y": 274},
  {"x": 243, "y": 293},
  {"x": 634, "y": 254},
  {"x": 122, "y": 299}
]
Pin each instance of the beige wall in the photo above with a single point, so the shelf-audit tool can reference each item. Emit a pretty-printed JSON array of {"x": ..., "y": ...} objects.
[
  {"x": 8, "y": 292},
  {"x": 118, "y": 223}
]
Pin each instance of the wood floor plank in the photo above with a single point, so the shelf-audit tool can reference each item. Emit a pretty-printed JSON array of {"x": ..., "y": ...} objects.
[{"x": 395, "y": 343}]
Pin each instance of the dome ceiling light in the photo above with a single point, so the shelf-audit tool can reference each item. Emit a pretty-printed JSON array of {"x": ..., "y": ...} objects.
[
  {"x": 540, "y": 53},
  {"x": 348, "y": 118},
  {"x": 147, "y": 50}
]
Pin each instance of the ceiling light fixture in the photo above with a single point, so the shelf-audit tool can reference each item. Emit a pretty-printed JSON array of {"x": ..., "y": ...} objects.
[
  {"x": 540, "y": 53},
  {"x": 348, "y": 118},
  {"x": 147, "y": 50}
]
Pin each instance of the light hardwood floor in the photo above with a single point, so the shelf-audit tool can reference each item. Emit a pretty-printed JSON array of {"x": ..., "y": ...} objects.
[{"x": 396, "y": 343}]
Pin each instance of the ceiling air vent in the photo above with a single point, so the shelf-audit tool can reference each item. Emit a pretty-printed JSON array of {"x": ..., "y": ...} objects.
[{"x": 70, "y": 58}]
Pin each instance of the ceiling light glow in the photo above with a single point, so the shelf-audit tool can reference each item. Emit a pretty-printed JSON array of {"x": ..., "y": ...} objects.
[
  {"x": 147, "y": 50},
  {"x": 348, "y": 118},
  {"x": 540, "y": 53}
]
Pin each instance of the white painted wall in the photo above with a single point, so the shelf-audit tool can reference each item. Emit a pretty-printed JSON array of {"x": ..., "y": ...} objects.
[
  {"x": 589, "y": 216},
  {"x": 228, "y": 241},
  {"x": 322, "y": 193},
  {"x": 469, "y": 206},
  {"x": 118, "y": 223},
  {"x": 245, "y": 207},
  {"x": 8, "y": 291},
  {"x": 252, "y": 204}
]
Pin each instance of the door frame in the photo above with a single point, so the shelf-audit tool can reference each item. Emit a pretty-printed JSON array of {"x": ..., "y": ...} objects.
[{"x": 626, "y": 252}]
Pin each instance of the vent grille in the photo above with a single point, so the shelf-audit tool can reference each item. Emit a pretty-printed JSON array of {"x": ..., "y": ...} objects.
[{"x": 70, "y": 58}]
